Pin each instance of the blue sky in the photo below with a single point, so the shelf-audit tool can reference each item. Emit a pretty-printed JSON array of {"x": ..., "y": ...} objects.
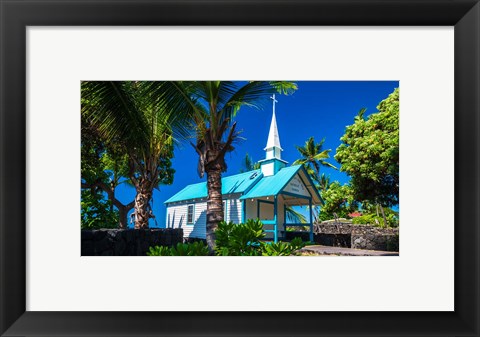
[{"x": 319, "y": 109}]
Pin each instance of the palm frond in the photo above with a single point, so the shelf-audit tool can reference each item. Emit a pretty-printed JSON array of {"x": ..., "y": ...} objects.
[
  {"x": 113, "y": 109},
  {"x": 254, "y": 94},
  {"x": 294, "y": 216},
  {"x": 327, "y": 164},
  {"x": 178, "y": 109}
]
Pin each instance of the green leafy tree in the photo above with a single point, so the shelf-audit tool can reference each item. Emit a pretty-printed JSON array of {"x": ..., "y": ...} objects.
[
  {"x": 134, "y": 117},
  {"x": 369, "y": 154},
  {"x": 338, "y": 201},
  {"x": 96, "y": 211},
  {"x": 98, "y": 182},
  {"x": 213, "y": 106}
]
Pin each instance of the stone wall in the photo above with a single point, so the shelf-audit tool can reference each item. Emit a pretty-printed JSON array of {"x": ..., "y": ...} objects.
[
  {"x": 360, "y": 236},
  {"x": 127, "y": 242}
]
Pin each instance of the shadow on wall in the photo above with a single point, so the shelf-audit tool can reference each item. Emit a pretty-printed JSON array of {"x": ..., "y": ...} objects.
[
  {"x": 171, "y": 224},
  {"x": 198, "y": 230},
  {"x": 233, "y": 209}
]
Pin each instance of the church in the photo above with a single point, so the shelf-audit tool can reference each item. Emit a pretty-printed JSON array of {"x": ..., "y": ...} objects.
[{"x": 263, "y": 194}]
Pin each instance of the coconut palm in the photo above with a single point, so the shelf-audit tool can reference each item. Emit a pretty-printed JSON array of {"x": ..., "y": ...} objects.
[
  {"x": 295, "y": 216},
  {"x": 134, "y": 117},
  {"x": 313, "y": 157},
  {"x": 212, "y": 106},
  {"x": 323, "y": 183},
  {"x": 248, "y": 164}
]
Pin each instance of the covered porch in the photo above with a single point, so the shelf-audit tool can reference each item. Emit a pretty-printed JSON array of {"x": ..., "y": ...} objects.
[{"x": 272, "y": 198}]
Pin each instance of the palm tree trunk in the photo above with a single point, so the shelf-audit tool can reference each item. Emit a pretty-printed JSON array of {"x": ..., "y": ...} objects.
[
  {"x": 142, "y": 206},
  {"x": 214, "y": 205}
]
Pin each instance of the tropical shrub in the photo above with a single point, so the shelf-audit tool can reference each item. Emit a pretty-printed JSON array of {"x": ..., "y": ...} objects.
[
  {"x": 376, "y": 220},
  {"x": 245, "y": 240},
  {"x": 281, "y": 248},
  {"x": 159, "y": 251},
  {"x": 242, "y": 239},
  {"x": 181, "y": 249}
]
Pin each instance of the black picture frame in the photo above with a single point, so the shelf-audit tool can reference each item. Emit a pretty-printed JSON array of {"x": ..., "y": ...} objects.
[{"x": 16, "y": 15}]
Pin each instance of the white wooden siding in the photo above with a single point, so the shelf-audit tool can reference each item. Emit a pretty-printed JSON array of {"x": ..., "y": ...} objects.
[
  {"x": 177, "y": 218},
  {"x": 234, "y": 211}
]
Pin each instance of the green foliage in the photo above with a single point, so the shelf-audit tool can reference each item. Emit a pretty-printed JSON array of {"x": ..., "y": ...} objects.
[
  {"x": 136, "y": 133},
  {"x": 338, "y": 199},
  {"x": 313, "y": 156},
  {"x": 324, "y": 182},
  {"x": 159, "y": 251},
  {"x": 248, "y": 164},
  {"x": 370, "y": 153},
  {"x": 197, "y": 248},
  {"x": 96, "y": 212},
  {"x": 241, "y": 239},
  {"x": 282, "y": 248},
  {"x": 377, "y": 220},
  {"x": 245, "y": 240},
  {"x": 294, "y": 216}
]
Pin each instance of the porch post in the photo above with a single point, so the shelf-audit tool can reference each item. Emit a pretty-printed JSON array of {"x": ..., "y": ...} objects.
[
  {"x": 311, "y": 219},
  {"x": 275, "y": 226},
  {"x": 243, "y": 211}
]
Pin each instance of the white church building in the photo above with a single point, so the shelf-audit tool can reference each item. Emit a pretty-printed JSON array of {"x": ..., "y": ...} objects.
[{"x": 263, "y": 194}]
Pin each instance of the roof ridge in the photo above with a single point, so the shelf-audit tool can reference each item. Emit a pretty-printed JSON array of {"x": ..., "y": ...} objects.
[{"x": 230, "y": 184}]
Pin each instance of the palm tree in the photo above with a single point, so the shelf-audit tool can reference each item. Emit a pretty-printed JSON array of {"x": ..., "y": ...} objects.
[
  {"x": 323, "y": 183},
  {"x": 133, "y": 116},
  {"x": 212, "y": 106},
  {"x": 295, "y": 216},
  {"x": 313, "y": 156},
  {"x": 248, "y": 164}
]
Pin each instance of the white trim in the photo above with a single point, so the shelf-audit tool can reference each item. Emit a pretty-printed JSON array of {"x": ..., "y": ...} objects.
[{"x": 191, "y": 223}]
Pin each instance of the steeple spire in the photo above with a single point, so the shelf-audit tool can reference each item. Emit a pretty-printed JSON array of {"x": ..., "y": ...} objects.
[
  {"x": 273, "y": 151},
  {"x": 273, "y": 147}
]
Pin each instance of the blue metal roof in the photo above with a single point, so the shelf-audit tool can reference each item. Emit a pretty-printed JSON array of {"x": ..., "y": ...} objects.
[
  {"x": 274, "y": 184},
  {"x": 238, "y": 183}
]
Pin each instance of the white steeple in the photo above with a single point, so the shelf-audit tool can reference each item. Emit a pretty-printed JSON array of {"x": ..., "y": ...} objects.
[
  {"x": 273, "y": 151},
  {"x": 273, "y": 148}
]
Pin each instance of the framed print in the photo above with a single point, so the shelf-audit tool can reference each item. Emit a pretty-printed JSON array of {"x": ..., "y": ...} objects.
[{"x": 429, "y": 49}]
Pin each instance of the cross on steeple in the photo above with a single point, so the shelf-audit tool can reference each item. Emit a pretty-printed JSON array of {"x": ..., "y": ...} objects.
[
  {"x": 274, "y": 101},
  {"x": 273, "y": 151},
  {"x": 273, "y": 147}
]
